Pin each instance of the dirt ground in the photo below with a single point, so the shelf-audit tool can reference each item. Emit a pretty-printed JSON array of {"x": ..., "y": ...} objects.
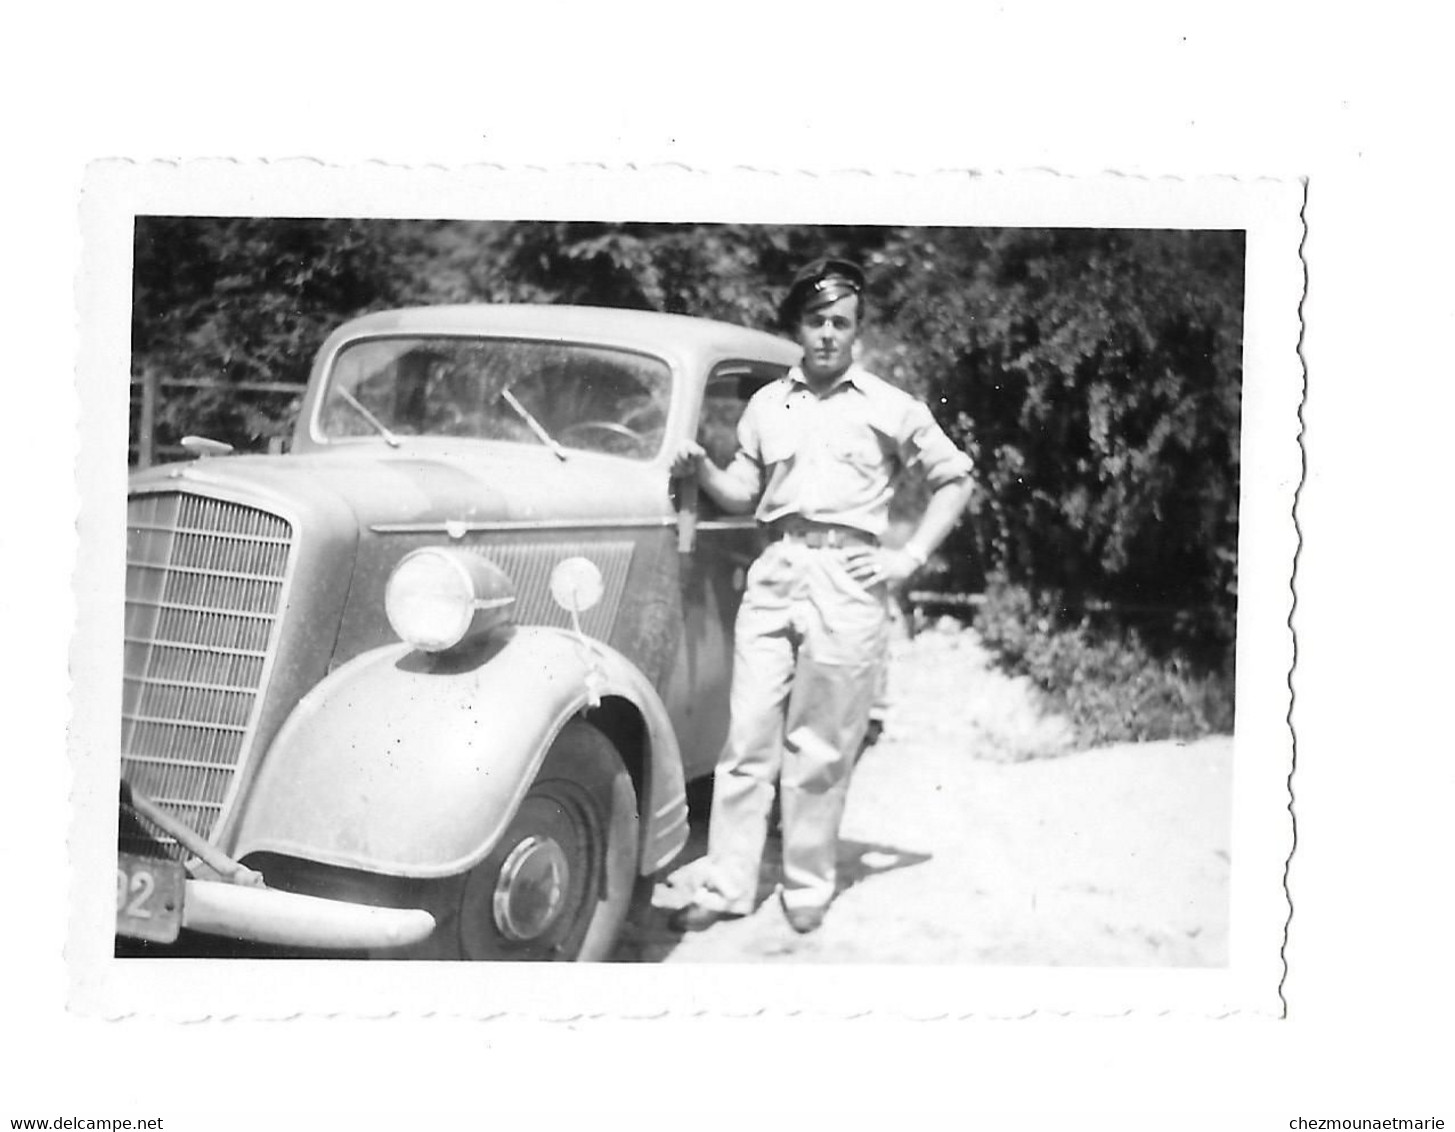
[{"x": 972, "y": 836}]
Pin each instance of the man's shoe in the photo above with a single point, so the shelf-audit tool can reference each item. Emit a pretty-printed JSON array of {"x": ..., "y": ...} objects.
[
  {"x": 696, "y": 918},
  {"x": 804, "y": 920}
]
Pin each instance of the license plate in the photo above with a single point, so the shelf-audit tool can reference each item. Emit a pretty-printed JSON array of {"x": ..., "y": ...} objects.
[{"x": 149, "y": 898}]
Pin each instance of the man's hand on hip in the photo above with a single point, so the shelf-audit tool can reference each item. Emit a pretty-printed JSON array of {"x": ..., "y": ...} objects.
[{"x": 869, "y": 565}]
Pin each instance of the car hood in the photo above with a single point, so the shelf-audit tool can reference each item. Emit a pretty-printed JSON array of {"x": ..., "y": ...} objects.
[{"x": 426, "y": 482}]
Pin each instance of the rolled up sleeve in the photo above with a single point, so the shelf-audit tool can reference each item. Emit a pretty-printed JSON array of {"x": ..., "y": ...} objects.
[
  {"x": 746, "y": 466},
  {"x": 924, "y": 445}
]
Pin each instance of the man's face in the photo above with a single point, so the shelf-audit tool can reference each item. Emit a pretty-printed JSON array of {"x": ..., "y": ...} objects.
[{"x": 827, "y": 335}]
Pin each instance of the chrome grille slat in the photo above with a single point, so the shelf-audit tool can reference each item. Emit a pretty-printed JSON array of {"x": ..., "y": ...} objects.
[
  {"x": 150, "y": 680},
  {"x": 217, "y": 573},
  {"x": 160, "y": 761},
  {"x": 204, "y": 589},
  {"x": 185, "y": 607},
  {"x": 177, "y": 530},
  {"x": 137, "y": 717},
  {"x": 183, "y": 646}
]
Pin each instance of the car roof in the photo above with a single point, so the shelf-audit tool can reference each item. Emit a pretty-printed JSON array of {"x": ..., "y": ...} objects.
[{"x": 651, "y": 330}]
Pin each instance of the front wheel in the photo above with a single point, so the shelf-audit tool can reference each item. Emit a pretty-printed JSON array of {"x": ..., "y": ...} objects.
[{"x": 558, "y": 884}]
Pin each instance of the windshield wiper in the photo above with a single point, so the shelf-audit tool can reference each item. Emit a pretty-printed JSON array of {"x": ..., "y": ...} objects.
[
  {"x": 358, "y": 406},
  {"x": 531, "y": 423}
]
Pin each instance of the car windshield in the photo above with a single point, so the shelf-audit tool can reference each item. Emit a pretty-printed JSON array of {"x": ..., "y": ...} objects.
[{"x": 562, "y": 396}]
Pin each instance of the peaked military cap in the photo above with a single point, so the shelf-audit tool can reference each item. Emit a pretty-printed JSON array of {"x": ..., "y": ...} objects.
[{"x": 824, "y": 280}]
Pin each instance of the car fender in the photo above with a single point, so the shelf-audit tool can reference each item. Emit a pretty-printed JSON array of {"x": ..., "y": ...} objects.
[{"x": 410, "y": 764}]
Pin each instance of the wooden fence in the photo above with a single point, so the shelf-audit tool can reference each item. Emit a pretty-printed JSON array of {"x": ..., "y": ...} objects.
[{"x": 146, "y": 393}]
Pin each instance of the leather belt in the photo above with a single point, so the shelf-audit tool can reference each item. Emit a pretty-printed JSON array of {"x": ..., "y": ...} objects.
[{"x": 818, "y": 535}]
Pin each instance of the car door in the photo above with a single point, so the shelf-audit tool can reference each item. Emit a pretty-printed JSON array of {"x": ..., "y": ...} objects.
[{"x": 714, "y": 571}]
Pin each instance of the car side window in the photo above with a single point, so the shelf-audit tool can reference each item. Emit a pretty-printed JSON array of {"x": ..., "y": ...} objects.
[{"x": 729, "y": 388}]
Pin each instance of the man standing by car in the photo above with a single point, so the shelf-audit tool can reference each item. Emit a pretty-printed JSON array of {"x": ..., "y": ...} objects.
[{"x": 817, "y": 451}]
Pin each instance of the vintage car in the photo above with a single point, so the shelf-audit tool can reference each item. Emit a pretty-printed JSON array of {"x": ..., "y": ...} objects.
[{"x": 431, "y": 683}]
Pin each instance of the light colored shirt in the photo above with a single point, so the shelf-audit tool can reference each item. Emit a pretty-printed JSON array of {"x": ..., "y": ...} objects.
[{"x": 832, "y": 457}]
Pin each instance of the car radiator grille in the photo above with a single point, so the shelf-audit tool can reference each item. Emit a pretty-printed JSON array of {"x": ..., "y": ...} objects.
[{"x": 204, "y": 583}]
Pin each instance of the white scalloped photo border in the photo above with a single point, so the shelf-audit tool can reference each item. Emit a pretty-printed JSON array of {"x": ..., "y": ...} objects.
[{"x": 1270, "y": 211}]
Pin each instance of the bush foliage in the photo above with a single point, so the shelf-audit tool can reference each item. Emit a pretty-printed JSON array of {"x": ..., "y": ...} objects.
[
  {"x": 1103, "y": 678},
  {"x": 1096, "y": 378},
  {"x": 1094, "y": 375}
]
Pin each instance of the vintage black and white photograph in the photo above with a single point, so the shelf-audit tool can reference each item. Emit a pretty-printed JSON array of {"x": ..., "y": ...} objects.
[
  {"x": 635, "y": 592},
  {"x": 783, "y": 565}
]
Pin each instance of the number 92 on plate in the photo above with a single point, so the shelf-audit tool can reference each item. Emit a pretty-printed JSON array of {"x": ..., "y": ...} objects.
[{"x": 149, "y": 898}]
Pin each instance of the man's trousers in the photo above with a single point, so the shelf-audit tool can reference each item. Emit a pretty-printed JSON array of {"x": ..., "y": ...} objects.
[{"x": 809, "y": 643}]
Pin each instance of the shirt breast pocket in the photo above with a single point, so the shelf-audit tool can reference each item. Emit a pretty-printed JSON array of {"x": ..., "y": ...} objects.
[{"x": 861, "y": 453}]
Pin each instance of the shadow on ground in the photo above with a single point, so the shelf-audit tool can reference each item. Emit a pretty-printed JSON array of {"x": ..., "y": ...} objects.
[{"x": 647, "y": 936}]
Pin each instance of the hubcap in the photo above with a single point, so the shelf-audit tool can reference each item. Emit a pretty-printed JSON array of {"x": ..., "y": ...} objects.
[{"x": 531, "y": 888}]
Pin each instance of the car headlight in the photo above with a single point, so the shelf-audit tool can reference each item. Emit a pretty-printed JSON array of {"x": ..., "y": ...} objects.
[{"x": 438, "y": 597}]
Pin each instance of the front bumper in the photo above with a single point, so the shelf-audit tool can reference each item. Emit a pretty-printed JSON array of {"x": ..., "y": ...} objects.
[{"x": 268, "y": 915}]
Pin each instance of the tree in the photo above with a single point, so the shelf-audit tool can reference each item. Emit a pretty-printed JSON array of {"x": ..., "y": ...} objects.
[
  {"x": 730, "y": 272},
  {"x": 227, "y": 301},
  {"x": 1096, "y": 378}
]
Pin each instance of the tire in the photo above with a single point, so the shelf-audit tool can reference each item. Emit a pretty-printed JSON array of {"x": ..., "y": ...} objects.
[{"x": 559, "y": 884}]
